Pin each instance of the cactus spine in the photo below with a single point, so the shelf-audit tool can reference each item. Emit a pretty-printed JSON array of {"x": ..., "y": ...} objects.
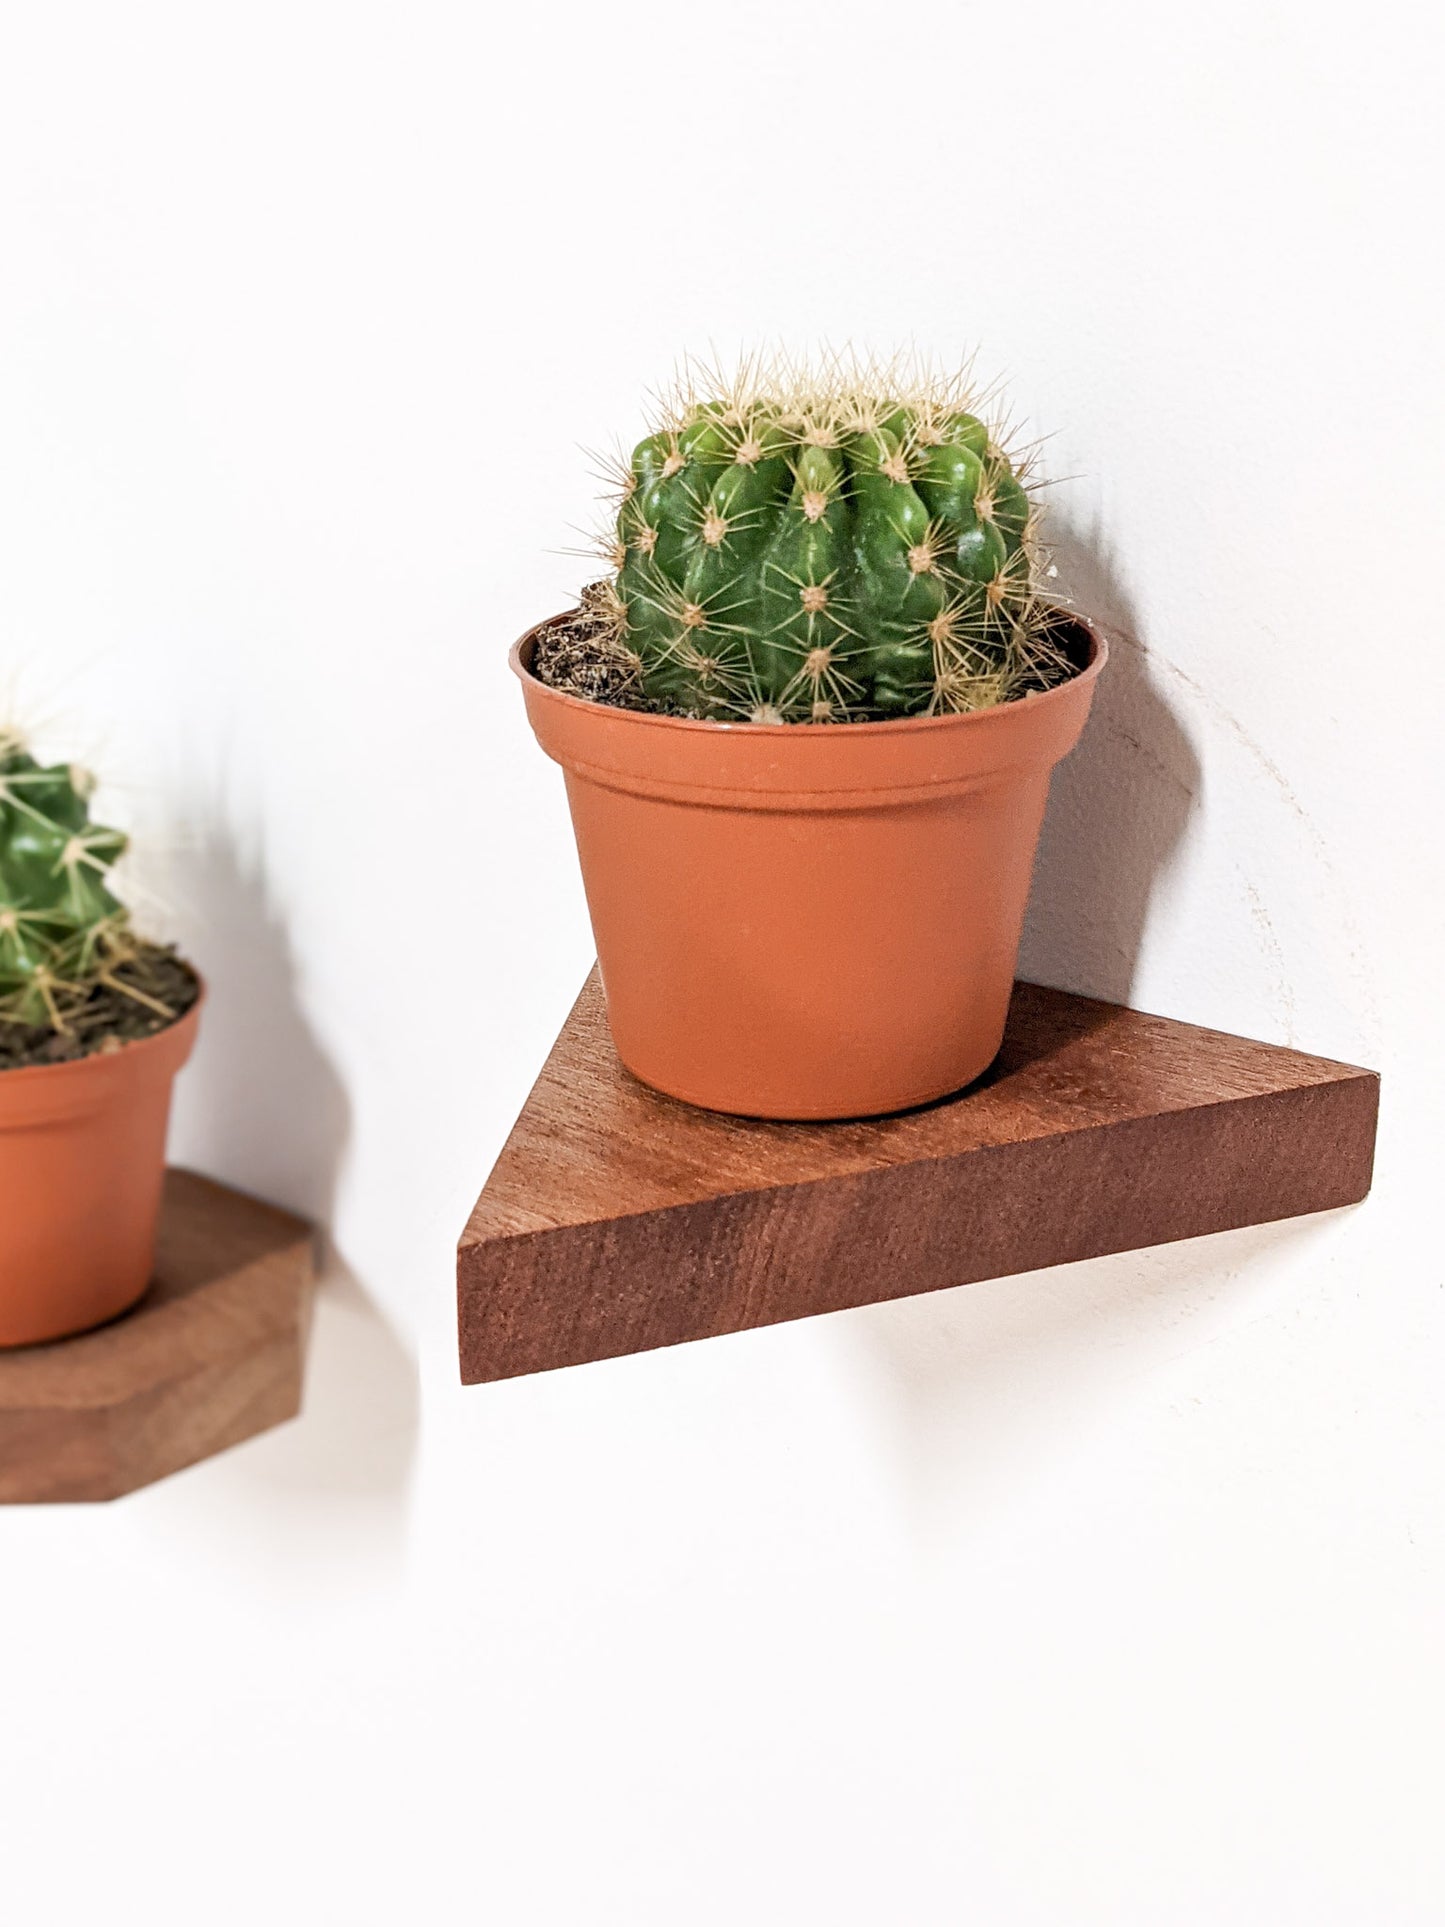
[
  {"x": 61, "y": 930},
  {"x": 855, "y": 548}
]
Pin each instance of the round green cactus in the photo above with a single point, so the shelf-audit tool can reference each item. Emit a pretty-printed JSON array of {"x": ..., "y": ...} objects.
[
  {"x": 843, "y": 550},
  {"x": 61, "y": 930}
]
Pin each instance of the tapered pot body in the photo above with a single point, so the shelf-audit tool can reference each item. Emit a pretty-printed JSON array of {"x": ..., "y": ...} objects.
[
  {"x": 82, "y": 1161},
  {"x": 808, "y": 920}
]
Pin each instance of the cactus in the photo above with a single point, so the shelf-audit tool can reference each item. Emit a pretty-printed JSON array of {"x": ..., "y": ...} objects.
[
  {"x": 61, "y": 930},
  {"x": 849, "y": 549}
]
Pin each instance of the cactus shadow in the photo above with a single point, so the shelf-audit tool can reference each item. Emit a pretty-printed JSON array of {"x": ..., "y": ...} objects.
[
  {"x": 262, "y": 1107},
  {"x": 1119, "y": 806}
]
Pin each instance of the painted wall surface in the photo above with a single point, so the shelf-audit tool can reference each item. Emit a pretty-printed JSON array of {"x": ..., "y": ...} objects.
[{"x": 1108, "y": 1595}]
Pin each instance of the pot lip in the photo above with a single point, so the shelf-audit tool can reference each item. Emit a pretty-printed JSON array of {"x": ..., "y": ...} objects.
[
  {"x": 814, "y": 732},
  {"x": 76, "y": 1067}
]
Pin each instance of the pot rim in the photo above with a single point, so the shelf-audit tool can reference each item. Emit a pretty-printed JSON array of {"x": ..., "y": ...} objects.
[
  {"x": 75, "y": 1067},
  {"x": 518, "y": 654}
]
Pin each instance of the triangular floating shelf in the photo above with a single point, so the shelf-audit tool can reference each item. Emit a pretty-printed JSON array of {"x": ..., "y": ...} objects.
[{"x": 617, "y": 1220}]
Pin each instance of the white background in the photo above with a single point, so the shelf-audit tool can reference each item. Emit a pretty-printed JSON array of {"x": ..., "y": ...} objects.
[{"x": 1112, "y": 1594}]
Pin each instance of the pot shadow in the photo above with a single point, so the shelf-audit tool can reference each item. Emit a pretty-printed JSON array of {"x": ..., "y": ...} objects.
[
  {"x": 261, "y": 1106},
  {"x": 1119, "y": 806},
  {"x": 965, "y": 1369}
]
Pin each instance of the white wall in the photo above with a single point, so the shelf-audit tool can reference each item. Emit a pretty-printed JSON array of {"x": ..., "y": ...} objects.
[{"x": 1108, "y": 1595}]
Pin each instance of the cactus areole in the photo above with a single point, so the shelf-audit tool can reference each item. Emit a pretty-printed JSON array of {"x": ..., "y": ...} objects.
[
  {"x": 94, "y": 1025},
  {"x": 808, "y": 726}
]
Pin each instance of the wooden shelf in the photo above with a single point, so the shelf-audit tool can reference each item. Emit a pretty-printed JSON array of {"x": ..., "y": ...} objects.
[
  {"x": 212, "y": 1355},
  {"x": 617, "y": 1220}
]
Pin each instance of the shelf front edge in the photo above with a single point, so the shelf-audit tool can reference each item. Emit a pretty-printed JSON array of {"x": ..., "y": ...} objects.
[{"x": 535, "y": 1300}]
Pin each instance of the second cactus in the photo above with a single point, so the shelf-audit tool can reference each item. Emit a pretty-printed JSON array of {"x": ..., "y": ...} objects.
[{"x": 60, "y": 927}]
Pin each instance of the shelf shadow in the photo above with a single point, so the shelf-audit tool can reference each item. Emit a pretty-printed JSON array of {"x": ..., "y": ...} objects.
[{"x": 989, "y": 1386}]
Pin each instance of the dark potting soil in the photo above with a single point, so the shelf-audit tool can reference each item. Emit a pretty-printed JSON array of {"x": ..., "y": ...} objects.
[
  {"x": 108, "y": 1017},
  {"x": 578, "y": 654}
]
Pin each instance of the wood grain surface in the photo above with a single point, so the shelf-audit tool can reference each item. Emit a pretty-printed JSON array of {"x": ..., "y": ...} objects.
[
  {"x": 211, "y": 1355},
  {"x": 617, "y": 1220}
]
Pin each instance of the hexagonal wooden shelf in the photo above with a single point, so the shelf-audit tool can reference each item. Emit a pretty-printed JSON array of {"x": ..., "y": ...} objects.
[
  {"x": 212, "y": 1355},
  {"x": 617, "y": 1220}
]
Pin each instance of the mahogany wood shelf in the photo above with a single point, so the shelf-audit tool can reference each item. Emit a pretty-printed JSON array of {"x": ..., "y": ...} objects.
[
  {"x": 617, "y": 1220},
  {"x": 212, "y": 1355}
]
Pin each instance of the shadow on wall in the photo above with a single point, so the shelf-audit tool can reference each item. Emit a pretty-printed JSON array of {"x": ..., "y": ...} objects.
[
  {"x": 985, "y": 1389},
  {"x": 1118, "y": 807},
  {"x": 262, "y": 1107}
]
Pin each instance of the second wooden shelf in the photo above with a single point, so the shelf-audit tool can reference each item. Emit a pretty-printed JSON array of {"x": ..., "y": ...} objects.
[{"x": 213, "y": 1354}]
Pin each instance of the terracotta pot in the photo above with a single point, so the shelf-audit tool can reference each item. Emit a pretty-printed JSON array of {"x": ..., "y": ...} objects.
[
  {"x": 82, "y": 1159},
  {"x": 808, "y": 920}
]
